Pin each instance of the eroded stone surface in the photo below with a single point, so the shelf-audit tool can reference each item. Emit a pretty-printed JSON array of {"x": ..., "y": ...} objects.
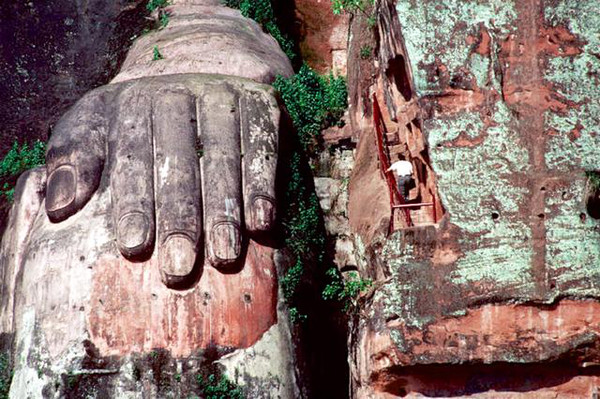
[
  {"x": 504, "y": 92},
  {"x": 207, "y": 39},
  {"x": 156, "y": 158}
]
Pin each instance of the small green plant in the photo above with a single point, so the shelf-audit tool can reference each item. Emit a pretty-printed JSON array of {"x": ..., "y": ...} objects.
[
  {"x": 348, "y": 292},
  {"x": 593, "y": 179},
  {"x": 163, "y": 19},
  {"x": 5, "y": 376},
  {"x": 350, "y": 6},
  {"x": 365, "y": 52},
  {"x": 214, "y": 387},
  {"x": 19, "y": 159},
  {"x": 372, "y": 21},
  {"x": 156, "y": 55},
  {"x": 154, "y": 4},
  {"x": 178, "y": 377}
]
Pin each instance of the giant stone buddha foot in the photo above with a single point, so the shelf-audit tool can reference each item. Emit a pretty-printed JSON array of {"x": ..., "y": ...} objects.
[{"x": 144, "y": 231}]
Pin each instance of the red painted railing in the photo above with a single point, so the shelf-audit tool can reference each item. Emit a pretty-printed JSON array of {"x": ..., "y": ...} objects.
[
  {"x": 397, "y": 201},
  {"x": 396, "y": 198}
]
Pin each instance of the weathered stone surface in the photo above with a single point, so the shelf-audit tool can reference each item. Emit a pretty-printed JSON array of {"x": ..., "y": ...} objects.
[
  {"x": 51, "y": 53},
  {"x": 334, "y": 168},
  {"x": 509, "y": 277},
  {"x": 54, "y": 52},
  {"x": 152, "y": 127},
  {"x": 323, "y": 36},
  {"x": 74, "y": 287},
  {"x": 207, "y": 39},
  {"x": 188, "y": 160}
]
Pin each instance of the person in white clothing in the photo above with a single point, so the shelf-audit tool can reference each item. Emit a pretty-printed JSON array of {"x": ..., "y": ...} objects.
[{"x": 403, "y": 171}]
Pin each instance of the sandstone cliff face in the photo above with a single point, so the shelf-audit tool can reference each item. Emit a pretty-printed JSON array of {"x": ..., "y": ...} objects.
[
  {"x": 494, "y": 296},
  {"x": 501, "y": 293}
]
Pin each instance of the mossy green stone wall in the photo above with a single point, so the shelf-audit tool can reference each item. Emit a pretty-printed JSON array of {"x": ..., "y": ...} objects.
[{"x": 498, "y": 258}]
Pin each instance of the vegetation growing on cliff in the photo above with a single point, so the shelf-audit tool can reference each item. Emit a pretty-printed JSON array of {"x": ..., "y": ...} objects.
[
  {"x": 19, "y": 159},
  {"x": 350, "y": 6},
  {"x": 313, "y": 102},
  {"x": 5, "y": 376},
  {"x": 346, "y": 292},
  {"x": 262, "y": 12},
  {"x": 163, "y": 15},
  {"x": 156, "y": 4},
  {"x": 214, "y": 387},
  {"x": 156, "y": 55}
]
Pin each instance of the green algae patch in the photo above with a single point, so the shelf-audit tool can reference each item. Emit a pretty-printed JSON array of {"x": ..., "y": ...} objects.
[
  {"x": 572, "y": 237},
  {"x": 572, "y": 241},
  {"x": 575, "y": 142},
  {"x": 476, "y": 182},
  {"x": 502, "y": 258},
  {"x": 427, "y": 27}
]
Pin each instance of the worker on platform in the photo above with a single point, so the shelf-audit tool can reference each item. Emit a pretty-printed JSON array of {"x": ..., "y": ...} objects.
[{"x": 403, "y": 171}]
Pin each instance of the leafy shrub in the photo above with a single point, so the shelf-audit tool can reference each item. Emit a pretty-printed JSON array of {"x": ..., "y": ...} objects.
[
  {"x": 5, "y": 376},
  {"x": 18, "y": 160},
  {"x": 154, "y": 4},
  {"x": 350, "y": 6},
  {"x": 22, "y": 158},
  {"x": 371, "y": 21},
  {"x": 219, "y": 388},
  {"x": 345, "y": 292},
  {"x": 262, "y": 12},
  {"x": 365, "y": 52},
  {"x": 313, "y": 102}
]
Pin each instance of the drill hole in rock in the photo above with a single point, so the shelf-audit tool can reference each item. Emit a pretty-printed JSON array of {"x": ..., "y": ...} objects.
[{"x": 593, "y": 194}]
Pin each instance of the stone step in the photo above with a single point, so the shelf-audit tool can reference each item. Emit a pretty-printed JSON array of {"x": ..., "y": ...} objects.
[
  {"x": 392, "y": 138},
  {"x": 396, "y": 149},
  {"x": 422, "y": 216}
]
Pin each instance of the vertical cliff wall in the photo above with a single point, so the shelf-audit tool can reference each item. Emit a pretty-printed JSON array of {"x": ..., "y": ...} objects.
[{"x": 501, "y": 293}]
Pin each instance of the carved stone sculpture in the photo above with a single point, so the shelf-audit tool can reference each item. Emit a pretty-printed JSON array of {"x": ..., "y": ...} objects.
[
  {"x": 152, "y": 179},
  {"x": 147, "y": 135}
]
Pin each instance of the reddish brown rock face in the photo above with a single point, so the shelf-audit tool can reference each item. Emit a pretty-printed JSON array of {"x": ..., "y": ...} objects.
[
  {"x": 491, "y": 337},
  {"x": 133, "y": 311},
  {"x": 323, "y": 35},
  {"x": 500, "y": 298}
]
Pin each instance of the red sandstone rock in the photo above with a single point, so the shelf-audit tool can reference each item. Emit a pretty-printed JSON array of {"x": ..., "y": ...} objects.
[
  {"x": 133, "y": 311},
  {"x": 324, "y": 36},
  {"x": 426, "y": 330}
]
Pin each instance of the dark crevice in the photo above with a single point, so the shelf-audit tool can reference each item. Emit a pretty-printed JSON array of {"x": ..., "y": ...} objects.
[
  {"x": 398, "y": 74},
  {"x": 433, "y": 381},
  {"x": 593, "y": 196},
  {"x": 593, "y": 204}
]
